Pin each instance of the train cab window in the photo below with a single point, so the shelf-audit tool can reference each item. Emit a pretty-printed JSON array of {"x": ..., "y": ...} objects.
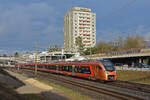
[{"x": 108, "y": 65}]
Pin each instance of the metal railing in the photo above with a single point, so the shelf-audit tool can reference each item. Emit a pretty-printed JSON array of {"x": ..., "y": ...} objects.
[{"x": 132, "y": 68}]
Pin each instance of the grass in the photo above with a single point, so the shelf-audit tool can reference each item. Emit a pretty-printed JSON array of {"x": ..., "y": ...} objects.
[
  {"x": 69, "y": 92},
  {"x": 33, "y": 97},
  {"x": 134, "y": 76}
]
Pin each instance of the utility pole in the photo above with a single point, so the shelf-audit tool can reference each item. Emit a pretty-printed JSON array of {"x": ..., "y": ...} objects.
[
  {"x": 36, "y": 53},
  {"x": 35, "y": 58}
]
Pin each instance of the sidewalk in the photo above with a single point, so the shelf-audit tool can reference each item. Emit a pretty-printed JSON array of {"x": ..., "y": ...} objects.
[{"x": 33, "y": 86}]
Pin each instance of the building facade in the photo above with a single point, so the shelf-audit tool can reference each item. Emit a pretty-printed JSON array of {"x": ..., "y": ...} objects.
[{"x": 79, "y": 22}]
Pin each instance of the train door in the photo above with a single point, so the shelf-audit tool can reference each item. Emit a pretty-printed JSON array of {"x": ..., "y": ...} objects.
[
  {"x": 98, "y": 72},
  {"x": 57, "y": 68},
  {"x": 73, "y": 70}
]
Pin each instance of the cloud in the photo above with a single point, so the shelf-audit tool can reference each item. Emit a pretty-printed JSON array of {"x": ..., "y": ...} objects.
[
  {"x": 111, "y": 33},
  {"x": 25, "y": 24},
  {"x": 107, "y": 34}
]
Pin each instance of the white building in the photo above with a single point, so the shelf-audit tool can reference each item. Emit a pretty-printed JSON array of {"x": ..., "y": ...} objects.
[{"x": 79, "y": 22}]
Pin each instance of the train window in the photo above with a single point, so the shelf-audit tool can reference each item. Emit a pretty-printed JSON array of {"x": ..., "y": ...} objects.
[
  {"x": 79, "y": 69},
  {"x": 46, "y": 66},
  {"x": 40, "y": 66},
  {"x": 63, "y": 68},
  {"x": 60, "y": 68},
  {"x": 70, "y": 68},
  {"x": 85, "y": 70},
  {"x": 66, "y": 68},
  {"x": 76, "y": 69},
  {"x": 52, "y": 67}
]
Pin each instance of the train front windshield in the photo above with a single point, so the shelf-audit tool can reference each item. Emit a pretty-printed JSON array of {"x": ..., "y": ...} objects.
[{"x": 108, "y": 65}]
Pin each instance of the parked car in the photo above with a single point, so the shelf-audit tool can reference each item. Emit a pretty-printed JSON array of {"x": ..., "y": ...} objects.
[
  {"x": 141, "y": 65},
  {"x": 118, "y": 64}
]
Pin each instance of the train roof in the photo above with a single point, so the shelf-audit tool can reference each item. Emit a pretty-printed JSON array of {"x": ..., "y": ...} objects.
[{"x": 85, "y": 62}]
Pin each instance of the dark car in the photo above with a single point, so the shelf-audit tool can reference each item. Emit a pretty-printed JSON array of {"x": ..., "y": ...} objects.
[{"x": 141, "y": 65}]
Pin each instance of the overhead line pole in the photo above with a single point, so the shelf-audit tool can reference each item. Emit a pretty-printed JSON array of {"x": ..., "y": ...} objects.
[
  {"x": 35, "y": 58},
  {"x": 36, "y": 51}
]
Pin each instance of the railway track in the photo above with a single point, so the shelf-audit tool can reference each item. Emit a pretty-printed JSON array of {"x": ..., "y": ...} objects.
[
  {"x": 89, "y": 86},
  {"x": 133, "y": 86}
]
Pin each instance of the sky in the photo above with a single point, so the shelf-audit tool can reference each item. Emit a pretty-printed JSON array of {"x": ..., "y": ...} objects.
[{"x": 24, "y": 23}]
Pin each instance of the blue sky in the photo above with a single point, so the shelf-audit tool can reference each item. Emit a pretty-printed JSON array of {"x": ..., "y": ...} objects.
[{"x": 26, "y": 22}]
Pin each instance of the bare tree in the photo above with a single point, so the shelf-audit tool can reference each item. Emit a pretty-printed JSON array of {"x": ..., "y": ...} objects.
[
  {"x": 79, "y": 44},
  {"x": 16, "y": 54},
  {"x": 134, "y": 42},
  {"x": 103, "y": 47}
]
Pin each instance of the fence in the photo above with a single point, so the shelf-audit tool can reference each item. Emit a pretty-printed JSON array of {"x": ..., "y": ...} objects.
[{"x": 131, "y": 68}]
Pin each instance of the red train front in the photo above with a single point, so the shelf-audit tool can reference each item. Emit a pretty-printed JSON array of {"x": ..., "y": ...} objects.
[{"x": 105, "y": 70}]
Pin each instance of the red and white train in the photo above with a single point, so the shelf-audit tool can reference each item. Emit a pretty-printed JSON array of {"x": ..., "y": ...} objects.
[{"x": 92, "y": 69}]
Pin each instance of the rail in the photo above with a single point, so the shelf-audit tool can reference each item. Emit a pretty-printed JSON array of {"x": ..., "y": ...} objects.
[{"x": 94, "y": 89}]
